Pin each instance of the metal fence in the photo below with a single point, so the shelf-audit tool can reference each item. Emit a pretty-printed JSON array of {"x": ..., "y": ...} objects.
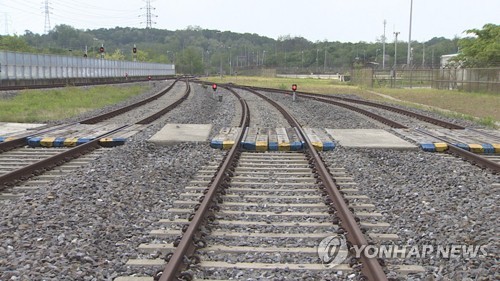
[
  {"x": 464, "y": 79},
  {"x": 24, "y": 66}
]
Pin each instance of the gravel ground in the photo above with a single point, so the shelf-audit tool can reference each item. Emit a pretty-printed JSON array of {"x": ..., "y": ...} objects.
[
  {"x": 462, "y": 122},
  {"x": 402, "y": 119},
  {"x": 312, "y": 113},
  {"x": 262, "y": 114},
  {"x": 86, "y": 226},
  {"x": 146, "y": 110},
  {"x": 430, "y": 199}
]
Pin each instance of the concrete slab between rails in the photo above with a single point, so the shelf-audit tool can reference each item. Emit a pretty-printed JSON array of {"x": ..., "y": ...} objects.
[
  {"x": 7, "y": 129},
  {"x": 369, "y": 138},
  {"x": 176, "y": 133}
]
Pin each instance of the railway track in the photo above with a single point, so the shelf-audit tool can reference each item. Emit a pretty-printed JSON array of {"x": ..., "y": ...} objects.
[
  {"x": 344, "y": 102},
  {"x": 36, "y": 181},
  {"x": 261, "y": 213},
  {"x": 485, "y": 161},
  {"x": 244, "y": 234},
  {"x": 18, "y": 163}
]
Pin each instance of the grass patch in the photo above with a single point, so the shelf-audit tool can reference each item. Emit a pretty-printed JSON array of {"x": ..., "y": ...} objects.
[
  {"x": 320, "y": 86},
  {"x": 482, "y": 105},
  {"x": 56, "y": 104}
]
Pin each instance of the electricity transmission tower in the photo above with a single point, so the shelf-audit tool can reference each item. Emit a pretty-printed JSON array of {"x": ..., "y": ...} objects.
[
  {"x": 148, "y": 15},
  {"x": 47, "y": 17}
]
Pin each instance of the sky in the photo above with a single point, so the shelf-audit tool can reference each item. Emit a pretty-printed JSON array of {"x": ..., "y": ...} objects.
[{"x": 315, "y": 20}]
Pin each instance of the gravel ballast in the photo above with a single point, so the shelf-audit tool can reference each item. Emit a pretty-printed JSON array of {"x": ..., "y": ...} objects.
[
  {"x": 430, "y": 199},
  {"x": 86, "y": 225}
]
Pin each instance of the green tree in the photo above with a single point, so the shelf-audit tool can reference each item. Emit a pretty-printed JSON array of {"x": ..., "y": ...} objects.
[
  {"x": 116, "y": 55},
  {"x": 190, "y": 61},
  {"x": 14, "y": 43},
  {"x": 483, "y": 50}
]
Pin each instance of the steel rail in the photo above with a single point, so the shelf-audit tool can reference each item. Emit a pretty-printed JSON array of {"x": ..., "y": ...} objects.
[
  {"x": 56, "y": 160},
  {"x": 428, "y": 119},
  {"x": 186, "y": 246},
  {"x": 119, "y": 111},
  {"x": 371, "y": 267},
  {"x": 464, "y": 154},
  {"x": 109, "y": 81},
  {"x": 467, "y": 155},
  {"x": 370, "y": 114},
  {"x": 22, "y": 141},
  {"x": 388, "y": 122},
  {"x": 167, "y": 109},
  {"x": 12, "y": 144},
  {"x": 495, "y": 137}
]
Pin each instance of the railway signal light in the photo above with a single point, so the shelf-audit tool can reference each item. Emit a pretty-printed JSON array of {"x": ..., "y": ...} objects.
[
  {"x": 214, "y": 87},
  {"x": 101, "y": 49},
  {"x": 294, "y": 88},
  {"x": 134, "y": 50}
]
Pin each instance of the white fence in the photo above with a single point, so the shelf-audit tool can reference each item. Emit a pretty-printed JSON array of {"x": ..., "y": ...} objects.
[{"x": 24, "y": 66}]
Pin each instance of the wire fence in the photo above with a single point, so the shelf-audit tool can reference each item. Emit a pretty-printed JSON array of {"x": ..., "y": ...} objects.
[{"x": 463, "y": 79}]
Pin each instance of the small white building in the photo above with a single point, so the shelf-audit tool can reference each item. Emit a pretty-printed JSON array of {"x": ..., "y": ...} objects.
[{"x": 445, "y": 59}]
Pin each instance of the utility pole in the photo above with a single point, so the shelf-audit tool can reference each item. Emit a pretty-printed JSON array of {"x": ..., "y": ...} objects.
[
  {"x": 383, "y": 47},
  {"x": 408, "y": 59},
  {"x": 47, "y": 17},
  {"x": 396, "y": 49},
  {"x": 432, "y": 58},
  {"x": 317, "y": 64},
  {"x": 324, "y": 64},
  {"x": 302, "y": 60},
  {"x": 393, "y": 71},
  {"x": 423, "y": 54},
  {"x": 230, "y": 64}
]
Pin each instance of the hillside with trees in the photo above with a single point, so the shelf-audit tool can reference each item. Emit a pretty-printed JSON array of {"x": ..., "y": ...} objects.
[{"x": 201, "y": 51}]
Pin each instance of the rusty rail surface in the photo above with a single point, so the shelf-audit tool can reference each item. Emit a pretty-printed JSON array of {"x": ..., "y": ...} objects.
[
  {"x": 39, "y": 167},
  {"x": 381, "y": 119},
  {"x": 187, "y": 244},
  {"x": 12, "y": 144},
  {"x": 371, "y": 267},
  {"x": 428, "y": 119},
  {"x": 466, "y": 155},
  {"x": 56, "y": 160},
  {"x": 22, "y": 141},
  {"x": 124, "y": 109},
  {"x": 167, "y": 109},
  {"x": 69, "y": 82}
]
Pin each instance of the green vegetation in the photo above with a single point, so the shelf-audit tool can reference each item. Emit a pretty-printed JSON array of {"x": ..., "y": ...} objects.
[
  {"x": 482, "y": 50},
  {"x": 478, "y": 107},
  {"x": 201, "y": 51},
  {"x": 320, "y": 86},
  {"x": 57, "y": 104}
]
